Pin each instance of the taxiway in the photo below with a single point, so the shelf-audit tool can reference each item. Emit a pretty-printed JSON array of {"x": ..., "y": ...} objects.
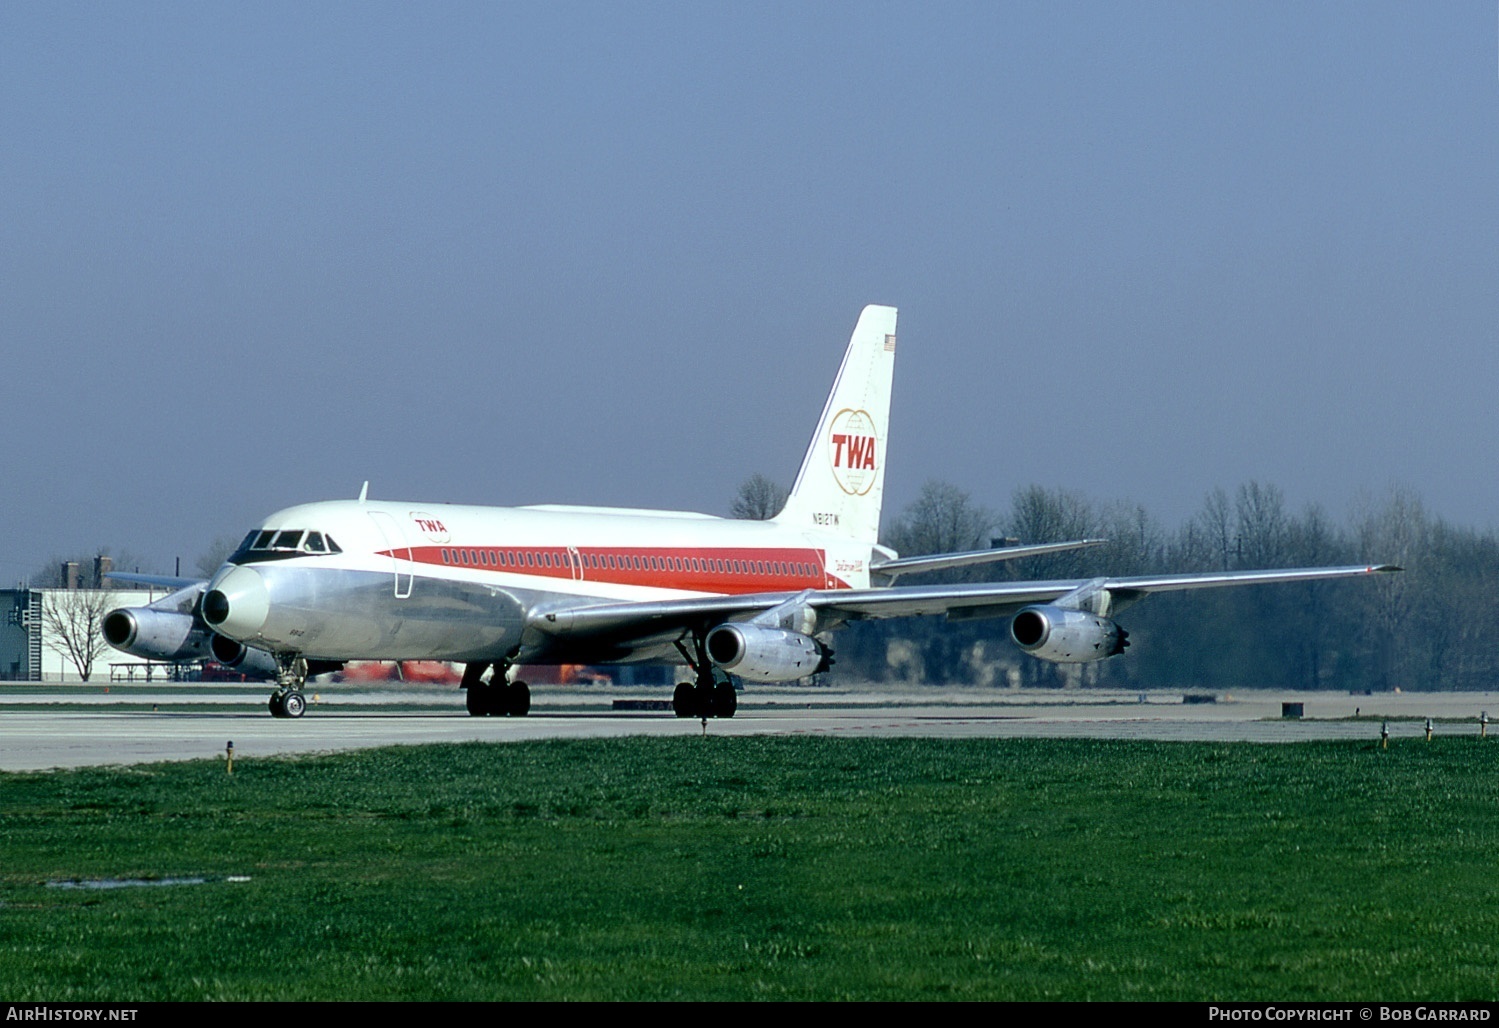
[{"x": 55, "y": 727}]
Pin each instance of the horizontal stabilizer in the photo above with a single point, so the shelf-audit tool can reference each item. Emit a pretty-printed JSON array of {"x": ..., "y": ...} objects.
[{"x": 893, "y": 569}]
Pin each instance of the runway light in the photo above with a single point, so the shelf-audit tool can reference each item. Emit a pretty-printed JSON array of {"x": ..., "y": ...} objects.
[{"x": 229, "y": 752}]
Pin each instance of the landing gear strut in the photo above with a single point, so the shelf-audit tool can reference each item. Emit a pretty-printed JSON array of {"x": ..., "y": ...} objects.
[
  {"x": 291, "y": 676},
  {"x": 713, "y": 695},
  {"x": 496, "y": 696}
]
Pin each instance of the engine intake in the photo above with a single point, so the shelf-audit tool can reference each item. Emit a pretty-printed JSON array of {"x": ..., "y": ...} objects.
[{"x": 1066, "y": 636}]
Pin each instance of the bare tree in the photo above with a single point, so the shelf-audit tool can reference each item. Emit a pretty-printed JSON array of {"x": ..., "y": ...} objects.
[
  {"x": 1041, "y": 515},
  {"x": 72, "y": 619},
  {"x": 1398, "y": 530},
  {"x": 1215, "y": 521},
  {"x": 213, "y": 558},
  {"x": 759, "y": 499},
  {"x": 1263, "y": 526},
  {"x": 1137, "y": 544},
  {"x": 943, "y": 519}
]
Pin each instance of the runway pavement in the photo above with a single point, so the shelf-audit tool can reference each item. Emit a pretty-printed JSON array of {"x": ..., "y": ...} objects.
[{"x": 72, "y": 726}]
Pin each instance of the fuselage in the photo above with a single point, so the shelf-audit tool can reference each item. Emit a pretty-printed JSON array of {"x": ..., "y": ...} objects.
[{"x": 349, "y": 579}]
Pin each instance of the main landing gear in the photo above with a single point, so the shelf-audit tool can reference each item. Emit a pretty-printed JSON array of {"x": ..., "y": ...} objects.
[
  {"x": 291, "y": 676},
  {"x": 713, "y": 695},
  {"x": 496, "y": 696}
]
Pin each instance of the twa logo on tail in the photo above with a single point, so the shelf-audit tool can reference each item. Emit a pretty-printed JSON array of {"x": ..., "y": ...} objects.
[{"x": 854, "y": 442}]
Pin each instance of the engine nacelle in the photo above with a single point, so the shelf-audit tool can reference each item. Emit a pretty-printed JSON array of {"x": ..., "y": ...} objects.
[
  {"x": 241, "y": 657},
  {"x": 156, "y": 634},
  {"x": 764, "y": 654},
  {"x": 169, "y": 635},
  {"x": 1066, "y": 636}
]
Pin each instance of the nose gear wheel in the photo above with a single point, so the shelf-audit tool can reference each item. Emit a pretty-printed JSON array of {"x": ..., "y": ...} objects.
[{"x": 291, "y": 676}]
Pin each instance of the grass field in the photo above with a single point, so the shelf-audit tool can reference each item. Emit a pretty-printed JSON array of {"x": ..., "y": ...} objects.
[{"x": 763, "y": 868}]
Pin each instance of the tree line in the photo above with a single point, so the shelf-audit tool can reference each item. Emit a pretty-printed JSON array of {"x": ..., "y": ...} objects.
[{"x": 1434, "y": 626}]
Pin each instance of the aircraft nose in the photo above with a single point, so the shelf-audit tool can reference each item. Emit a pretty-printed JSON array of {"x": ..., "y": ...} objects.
[{"x": 238, "y": 603}]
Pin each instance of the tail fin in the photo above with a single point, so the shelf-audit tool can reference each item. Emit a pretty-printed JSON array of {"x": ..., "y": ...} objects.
[{"x": 842, "y": 480}]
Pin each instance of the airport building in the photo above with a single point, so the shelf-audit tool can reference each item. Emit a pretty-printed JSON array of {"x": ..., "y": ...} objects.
[{"x": 52, "y": 635}]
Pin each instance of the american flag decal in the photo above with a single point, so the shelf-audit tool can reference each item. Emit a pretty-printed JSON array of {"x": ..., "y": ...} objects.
[{"x": 890, "y": 344}]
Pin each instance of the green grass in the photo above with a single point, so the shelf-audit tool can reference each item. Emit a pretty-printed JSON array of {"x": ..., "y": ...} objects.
[{"x": 765, "y": 868}]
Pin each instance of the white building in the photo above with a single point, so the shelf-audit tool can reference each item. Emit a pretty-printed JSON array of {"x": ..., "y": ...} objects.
[{"x": 33, "y": 649}]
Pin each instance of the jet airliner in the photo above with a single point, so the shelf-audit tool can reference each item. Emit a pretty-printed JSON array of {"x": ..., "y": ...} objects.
[{"x": 316, "y": 585}]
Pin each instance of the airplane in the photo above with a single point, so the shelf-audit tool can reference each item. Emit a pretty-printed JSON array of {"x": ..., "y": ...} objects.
[{"x": 319, "y": 584}]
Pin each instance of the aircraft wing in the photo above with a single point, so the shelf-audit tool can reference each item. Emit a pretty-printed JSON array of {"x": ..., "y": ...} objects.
[
  {"x": 167, "y": 581},
  {"x": 656, "y": 620}
]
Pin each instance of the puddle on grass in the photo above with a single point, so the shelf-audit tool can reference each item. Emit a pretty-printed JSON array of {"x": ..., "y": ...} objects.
[{"x": 131, "y": 883}]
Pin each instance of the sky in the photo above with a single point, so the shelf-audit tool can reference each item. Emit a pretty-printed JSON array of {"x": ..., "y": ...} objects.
[{"x": 252, "y": 255}]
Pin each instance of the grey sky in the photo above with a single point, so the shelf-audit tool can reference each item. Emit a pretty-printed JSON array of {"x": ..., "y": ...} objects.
[{"x": 251, "y": 255}]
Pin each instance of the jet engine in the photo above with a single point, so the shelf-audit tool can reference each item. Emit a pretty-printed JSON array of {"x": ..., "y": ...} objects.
[
  {"x": 764, "y": 654},
  {"x": 240, "y": 657},
  {"x": 156, "y": 634},
  {"x": 1066, "y": 636},
  {"x": 170, "y": 635}
]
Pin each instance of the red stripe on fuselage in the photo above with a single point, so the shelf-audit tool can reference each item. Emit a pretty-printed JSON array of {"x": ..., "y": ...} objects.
[{"x": 693, "y": 569}]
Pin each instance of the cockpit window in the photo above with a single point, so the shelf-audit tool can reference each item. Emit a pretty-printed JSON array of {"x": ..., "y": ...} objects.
[{"x": 280, "y": 544}]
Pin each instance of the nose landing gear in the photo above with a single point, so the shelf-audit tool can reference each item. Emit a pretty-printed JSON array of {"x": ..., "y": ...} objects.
[{"x": 291, "y": 676}]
